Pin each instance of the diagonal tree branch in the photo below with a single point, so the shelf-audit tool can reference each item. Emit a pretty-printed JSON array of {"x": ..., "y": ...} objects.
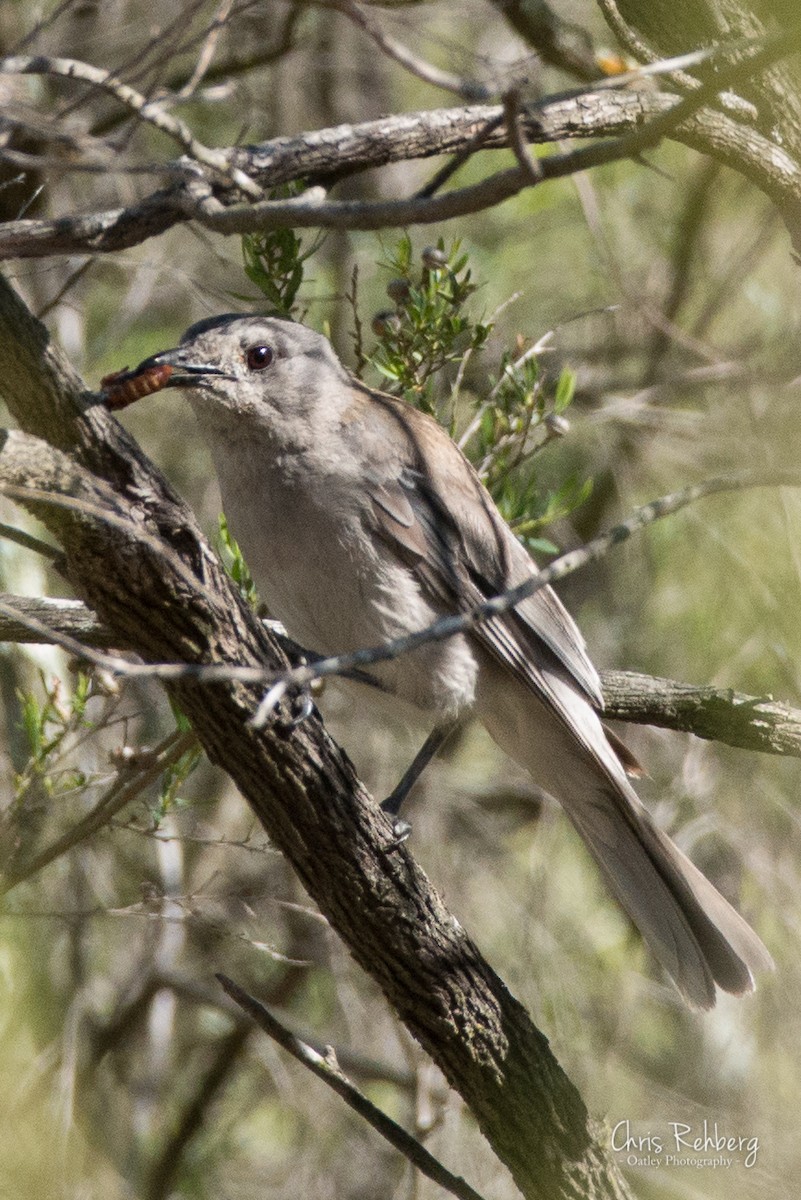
[
  {"x": 717, "y": 714},
  {"x": 331, "y": 1074},
  {"x": 301, "y": 787}
]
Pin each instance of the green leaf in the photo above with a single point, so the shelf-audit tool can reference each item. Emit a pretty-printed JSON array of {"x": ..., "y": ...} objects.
[
  {"x": 234, "y": 563},
  {"x": 540, "y": 545},
  {"x": 565, "y": 390}
]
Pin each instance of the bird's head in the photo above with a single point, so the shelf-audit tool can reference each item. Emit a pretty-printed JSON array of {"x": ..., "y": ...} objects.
[{"x": 237, "y": 365}]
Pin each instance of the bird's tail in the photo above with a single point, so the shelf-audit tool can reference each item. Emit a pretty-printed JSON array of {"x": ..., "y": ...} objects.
[{"x": 697, "y": 936}]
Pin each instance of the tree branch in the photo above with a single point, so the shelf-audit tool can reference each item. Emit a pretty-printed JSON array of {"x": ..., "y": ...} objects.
[
  {"x": 331, "y": 154},
  {"x": 331, "y": 1073},
  {"x": 301, "y": 787},
  {"x": 717, "y": 714}
]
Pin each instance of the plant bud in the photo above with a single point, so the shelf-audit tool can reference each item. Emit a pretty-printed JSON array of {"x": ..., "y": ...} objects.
[
  {"x": 434, "y": 259},
  {"x": 399, "y": 291},
  {"x": 385, "y": 322},
  {"x": 557, "y": 425}
]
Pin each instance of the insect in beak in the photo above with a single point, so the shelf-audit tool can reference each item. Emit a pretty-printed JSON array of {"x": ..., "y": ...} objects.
[{"x": 121, "y": 388}]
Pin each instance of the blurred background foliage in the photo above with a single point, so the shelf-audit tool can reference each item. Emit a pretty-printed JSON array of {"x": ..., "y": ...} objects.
[{"x": 667, "y": 289}]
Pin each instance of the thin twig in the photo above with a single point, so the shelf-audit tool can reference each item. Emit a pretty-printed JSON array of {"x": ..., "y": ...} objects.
[
  {"x": 207, "y": 50},
  {"x": 541, "y": 346},
  {"x": 515, "y": 75},
  {"x": 328, "y": 1070},
  {"x": 445, "y": 627},
  {"x": 69, "y": 282},
  {"x": 124, "y": 789},
  {"x": 223, "y": 69},
  {"x": 29, "y": 542},
  {"x": 147, "y": 110},
  {"x": 441, "y": 177},
  {"x": 517, "y": 140},
  {"x": 468, "y": 89}
]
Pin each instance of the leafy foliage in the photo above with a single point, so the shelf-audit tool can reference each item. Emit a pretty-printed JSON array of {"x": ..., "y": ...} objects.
[
  {"x": 234, "y": 563},
  {"x": 175, "y": 775},
  {"x": 50, "y": 725},
  {"x": 523, "y": 412},
  {"x": 274, "y": 260},
  {"x": 430, "y": 328}
]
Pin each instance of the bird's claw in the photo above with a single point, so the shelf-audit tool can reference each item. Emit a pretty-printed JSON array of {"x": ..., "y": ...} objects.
[
  {"x": 400, "y": 832},
  {"x": 301, "y": 708},
  {"x": 294, "y": 710}
]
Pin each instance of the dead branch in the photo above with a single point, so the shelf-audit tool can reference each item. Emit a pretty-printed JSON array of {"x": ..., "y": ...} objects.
[
  {"x": 325, "y": 1067},
  {"x": 299, "y": 784},
  {"x": 718, "y": 714}
]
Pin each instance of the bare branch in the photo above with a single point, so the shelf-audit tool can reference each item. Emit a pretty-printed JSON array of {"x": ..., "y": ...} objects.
[
  {"x": 53, "y": 617},
  {"x": 207, "y": 50},
  {"x": 555, "y": 40},
  {"x": 530, "y": 166},
  {"x": 312, "y": 210},
  {"x": 145, "y": 109},
  {"x": 327, "y": 1069},
  {"x": 716, "y": 714},
  {"x": 29, "y": 542},
  {"x": 223, "y": 69},
  {"x": 466, "y": 88},
  {"x": 39, "y": 631}
]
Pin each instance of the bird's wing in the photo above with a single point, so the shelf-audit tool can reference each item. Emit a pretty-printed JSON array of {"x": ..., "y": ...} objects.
[{"x": 463, "y": 553}]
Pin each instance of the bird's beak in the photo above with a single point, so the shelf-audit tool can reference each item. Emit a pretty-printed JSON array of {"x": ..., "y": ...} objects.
[
  {"x": 185, "y": 370},
  {"x": 168, "y": 368}
]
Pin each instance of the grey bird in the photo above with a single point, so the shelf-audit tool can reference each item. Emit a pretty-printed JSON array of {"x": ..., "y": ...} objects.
[{"x": 362, "y": 521}]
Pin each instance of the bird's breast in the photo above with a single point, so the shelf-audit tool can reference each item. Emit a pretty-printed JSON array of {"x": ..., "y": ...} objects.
[{"x": 336, "y": 587}]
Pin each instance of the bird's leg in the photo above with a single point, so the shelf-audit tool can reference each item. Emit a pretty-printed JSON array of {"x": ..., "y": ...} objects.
[
  {"x": 301, "y": 709},
  {"x": 303, "y": 706},
  {"x": 433, "y": 743}
]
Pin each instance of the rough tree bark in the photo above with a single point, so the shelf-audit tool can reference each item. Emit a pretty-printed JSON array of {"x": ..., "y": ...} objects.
[{"x": 135, "y": 554}]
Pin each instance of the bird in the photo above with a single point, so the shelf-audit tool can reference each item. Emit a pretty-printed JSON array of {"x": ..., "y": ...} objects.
[{"x": 362, "y": 521}]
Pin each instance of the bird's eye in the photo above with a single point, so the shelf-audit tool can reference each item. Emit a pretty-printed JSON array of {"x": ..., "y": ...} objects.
[{"x": 259, "y": 357}]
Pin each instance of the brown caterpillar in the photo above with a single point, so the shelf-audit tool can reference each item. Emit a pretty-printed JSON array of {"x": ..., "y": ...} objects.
[{"x": 122, "y": 388}]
